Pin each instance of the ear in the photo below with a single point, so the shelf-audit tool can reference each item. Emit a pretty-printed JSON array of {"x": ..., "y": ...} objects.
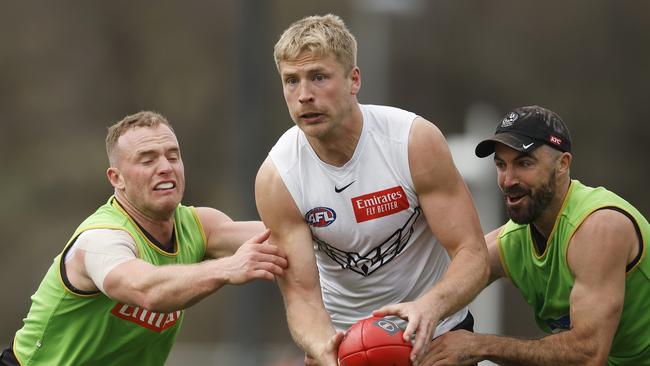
[
  {"x": 564, "y": 163},
  {"x": 355, "y": 78},
  {"x": 115, "y": 177}
]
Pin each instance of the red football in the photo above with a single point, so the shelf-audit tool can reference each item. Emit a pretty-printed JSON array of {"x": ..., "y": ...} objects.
[{"x": 374, "y": 341}]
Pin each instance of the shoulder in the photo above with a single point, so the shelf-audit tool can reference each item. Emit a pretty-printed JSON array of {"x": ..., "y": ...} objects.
[
  {"x": 105, "y": 215},
  {"x": 426, "y": 135},
  {"x": 379, "y": 110},
  {"x": 604, "y": 223},
  {"x": 584, "y": 199},
  {"x": 599, "y": 206},
  {"x": 117, "y": 234},
  {"x": 385, "y": 118},
  {"x": 106, "y": 242},
  {"x": 606, "y": 235},
  {"x": 267, "y": 174},
  {"x": 269, "y": 186},
  {"x": 606, "y": 219},
  {"x": 428, "y": 152},
  {"x": 286, "y": 150},
  {"x": 274, "y": 202},
  {"x": 94, "y": 238}
]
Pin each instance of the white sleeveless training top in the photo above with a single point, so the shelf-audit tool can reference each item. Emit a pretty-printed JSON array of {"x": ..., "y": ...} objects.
[{"x": 373, "y": 245}]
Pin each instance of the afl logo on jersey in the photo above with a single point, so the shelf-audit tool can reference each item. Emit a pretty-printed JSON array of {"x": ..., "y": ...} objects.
[{"x": 320, "y": 216}]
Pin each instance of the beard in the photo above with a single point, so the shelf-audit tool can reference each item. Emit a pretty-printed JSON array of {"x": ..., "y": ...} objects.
[{"x": 539, "y": 200}]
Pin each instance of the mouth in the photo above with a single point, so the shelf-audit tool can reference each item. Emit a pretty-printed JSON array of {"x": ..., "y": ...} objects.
[
  {"x": 311, "y": 116},
  {"x": 164, "y": 186},
  {"x": 515, "y": 195},
  {"x": 514, "y": 199}
]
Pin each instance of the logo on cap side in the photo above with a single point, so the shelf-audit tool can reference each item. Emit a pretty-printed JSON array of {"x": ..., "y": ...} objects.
[
  {"x": 527, "y": 146},
  {"x": 555, "y": 140},
  {"x": 509, "y": 119}
]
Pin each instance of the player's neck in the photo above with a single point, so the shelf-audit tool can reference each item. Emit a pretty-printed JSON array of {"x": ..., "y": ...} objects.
[
  {"x": 160, "y": 228},
  {"x": 337, "y": 148}
]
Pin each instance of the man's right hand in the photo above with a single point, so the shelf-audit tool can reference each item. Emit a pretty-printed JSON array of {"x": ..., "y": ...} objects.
[
  {"x": 255, "y": 259},
  {"x": 329, "y": 356}
]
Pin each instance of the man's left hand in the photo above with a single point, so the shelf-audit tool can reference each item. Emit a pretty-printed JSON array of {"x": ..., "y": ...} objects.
[{"x": 452, "y": 348}]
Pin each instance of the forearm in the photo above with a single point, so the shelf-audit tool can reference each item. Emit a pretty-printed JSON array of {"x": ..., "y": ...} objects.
[
  {"x": 309, "y": 323},
  {"x": 465, "y": 277},
  {"x": 170, "y": 287},
  {"x": 558, "y": 349}
]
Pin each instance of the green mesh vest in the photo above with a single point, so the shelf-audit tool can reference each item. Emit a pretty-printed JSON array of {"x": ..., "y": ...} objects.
[
  {"x": 545, "y": 281},
  {"x": 64, "y": 327}
]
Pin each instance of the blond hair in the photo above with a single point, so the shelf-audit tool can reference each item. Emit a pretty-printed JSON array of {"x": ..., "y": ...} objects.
[
  {"x": 140, "y": 119},
  {"x": 321, "y": 36}
]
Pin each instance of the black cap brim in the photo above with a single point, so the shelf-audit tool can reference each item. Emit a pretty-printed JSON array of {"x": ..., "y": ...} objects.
[{"x": 515, "y": 141}]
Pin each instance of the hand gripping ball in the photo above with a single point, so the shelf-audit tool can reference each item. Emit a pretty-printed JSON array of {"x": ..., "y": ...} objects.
[{"x": 374, "y": 341}]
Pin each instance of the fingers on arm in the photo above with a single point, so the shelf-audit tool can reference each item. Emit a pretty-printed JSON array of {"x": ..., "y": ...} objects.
[
  {"x": 253, "y": 258},
  {"x": 265, "y": 260},
  {"x": 253, "y": 261},
  {"x": 260, "y": 237}
]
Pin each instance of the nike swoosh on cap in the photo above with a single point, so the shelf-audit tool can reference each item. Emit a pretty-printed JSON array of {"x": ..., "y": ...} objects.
[{"x": 527, "y": 146}]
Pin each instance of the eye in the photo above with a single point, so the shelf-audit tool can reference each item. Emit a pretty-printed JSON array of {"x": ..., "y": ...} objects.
[
  {"x": 320, "y": 77},
  {"x": 525, "y": 163},
  {"x": 291, "y": 81}
]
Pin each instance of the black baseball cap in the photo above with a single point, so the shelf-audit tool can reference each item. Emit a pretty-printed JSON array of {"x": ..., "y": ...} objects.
[{"x": 527, "y": 128}]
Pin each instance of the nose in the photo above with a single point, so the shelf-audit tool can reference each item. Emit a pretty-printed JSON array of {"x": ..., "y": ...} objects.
[
  {"x": 305, "y": 93},
  {"x": 507, "y": 177},
  {"x": 165, "y": 166}
]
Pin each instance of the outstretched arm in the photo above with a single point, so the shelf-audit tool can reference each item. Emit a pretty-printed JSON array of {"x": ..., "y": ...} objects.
[
  {"x": 597, "y": 256},
  {"x": 451, "y": 215},
  {"x": 309, "y": 322},
  {"x": 173, "y": 287},
  {"x": 107, "y": 260}
]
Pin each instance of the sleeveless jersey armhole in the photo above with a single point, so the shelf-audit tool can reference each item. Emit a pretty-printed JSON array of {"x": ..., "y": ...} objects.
[
  {"x": 501, "y": 257},
  {"x": 630, "y": 266}
]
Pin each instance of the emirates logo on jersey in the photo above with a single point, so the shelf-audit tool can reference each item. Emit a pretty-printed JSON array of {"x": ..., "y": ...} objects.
[
  {"x": 378, "y": 204},
  {"x": 145, "y": 318}
]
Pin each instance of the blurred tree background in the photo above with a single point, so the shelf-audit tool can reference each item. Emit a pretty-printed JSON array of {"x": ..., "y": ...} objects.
[{"x": 69, "y": 69}]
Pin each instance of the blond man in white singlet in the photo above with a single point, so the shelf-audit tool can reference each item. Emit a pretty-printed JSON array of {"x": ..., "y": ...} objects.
[{"x": 366, "y": 202}]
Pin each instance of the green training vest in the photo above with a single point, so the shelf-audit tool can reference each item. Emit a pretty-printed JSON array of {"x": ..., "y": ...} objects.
[
  {"x": 64, "y": 327},
  {"x": 546, "y": 281}
]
